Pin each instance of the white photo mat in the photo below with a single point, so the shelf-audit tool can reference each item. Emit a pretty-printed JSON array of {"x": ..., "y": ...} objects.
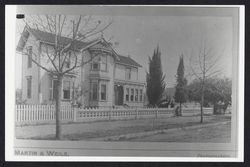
[{"x": 124, "y": 151}]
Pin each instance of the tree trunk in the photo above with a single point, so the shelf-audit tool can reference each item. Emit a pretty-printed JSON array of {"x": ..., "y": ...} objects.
[
  {"x": 58, "y": 108},
  {"x": 180, "y": 114},
  {"x": 202, "y": 102}
]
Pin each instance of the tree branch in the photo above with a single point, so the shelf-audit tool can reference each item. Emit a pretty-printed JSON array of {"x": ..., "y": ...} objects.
[
  {"x": 52, "y": 61},
  {"x": 38, "y": 64}
]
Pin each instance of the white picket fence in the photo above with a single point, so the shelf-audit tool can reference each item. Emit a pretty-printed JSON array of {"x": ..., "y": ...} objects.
[
  {"x": 42, "y": 114},
  {"x": 35, "y": 114}
]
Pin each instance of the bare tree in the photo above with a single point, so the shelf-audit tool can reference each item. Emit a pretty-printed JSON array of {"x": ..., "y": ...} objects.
[
  {"x": 204, "y": 65},
  {"x": 66, "y": 32}
]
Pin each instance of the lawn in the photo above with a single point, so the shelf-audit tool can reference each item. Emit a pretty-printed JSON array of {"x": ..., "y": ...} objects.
[{"x": 96, "y": 130}]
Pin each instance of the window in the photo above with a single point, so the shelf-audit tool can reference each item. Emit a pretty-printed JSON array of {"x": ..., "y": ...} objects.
[
  {"x": 29, "y": 87},
  {"x": 103, "y": 92},
  {"x": 127, "y": 94},
  {"x": 104, "y": 62},
  {"x": 67, "y": 60},
  {"x": 29, "y": 56},
  {"x": 132, "y": 95},
  {"x": 95, "y": 62},
  {"x": 52, "y": 89},
  {"x": 128, "y": 73},
  {"x": 99, "y": 62},
  {"x": 136, "y": 94},
  {"x": 66, "y": 90},
  {"x": 94, "y": 90},
  {"x": 95, "y": 66},
  {"x": 140, "y": 94}
]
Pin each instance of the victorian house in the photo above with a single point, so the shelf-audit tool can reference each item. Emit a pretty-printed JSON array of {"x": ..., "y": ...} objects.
[{"x": 110, "y": 79}]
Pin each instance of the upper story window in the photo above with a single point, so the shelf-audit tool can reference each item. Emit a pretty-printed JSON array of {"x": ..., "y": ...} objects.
[
  {"x": 67, "y": 60},
  {"x": 95, "y": 66},
  {"x": 29, "y": 86},
  {"x": 29, "y": 50},
  {"x": 103, "y": 62},
  {"x": 128, "y": 73},
  {"x": 99, "y": 62}
]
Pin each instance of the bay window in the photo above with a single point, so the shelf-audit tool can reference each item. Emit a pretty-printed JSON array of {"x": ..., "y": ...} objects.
[
  {"x": 103, "y": 91},
  {"x": 103, "y": 62},
  {"x": 99, "y": 62},
  {"x": 93, "y": 91}
]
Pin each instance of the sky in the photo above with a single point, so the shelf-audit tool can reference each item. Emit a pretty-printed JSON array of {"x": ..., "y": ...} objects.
[{"x": 139, "y": 31}]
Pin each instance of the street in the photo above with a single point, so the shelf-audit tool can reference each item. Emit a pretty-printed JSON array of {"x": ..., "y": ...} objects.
[
  {"x": 101, "y": 129},
  {"x": 213, "y": 134}
]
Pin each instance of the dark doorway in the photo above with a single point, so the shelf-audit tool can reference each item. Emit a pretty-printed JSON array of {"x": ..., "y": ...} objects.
[{"x": 118, "y": 95}]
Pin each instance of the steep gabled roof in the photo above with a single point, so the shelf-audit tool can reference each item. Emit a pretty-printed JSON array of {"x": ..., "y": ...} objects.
[
  {"x": 50, "y": 38},
  {"x": 127, "y": 61}
]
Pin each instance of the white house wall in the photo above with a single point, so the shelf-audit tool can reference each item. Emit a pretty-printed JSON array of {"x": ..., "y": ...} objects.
[
  {"x": 120, "y": 72},
  {"x": 33, "y": 71},
  {"x": 81, "y": 80}
]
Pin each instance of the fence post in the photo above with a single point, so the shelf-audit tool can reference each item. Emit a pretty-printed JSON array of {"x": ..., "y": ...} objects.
[
  {"x": 110, "y": 112},
  {"x": 156, "y": 112},
  {"x": 75, "y": 114}
]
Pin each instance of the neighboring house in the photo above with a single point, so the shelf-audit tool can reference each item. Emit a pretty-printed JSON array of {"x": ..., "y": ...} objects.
[{"x": 108, "y": 80}]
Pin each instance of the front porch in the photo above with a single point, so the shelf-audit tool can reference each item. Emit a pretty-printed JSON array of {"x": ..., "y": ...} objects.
[
  {"x": 119, "y": 95},
  {"x": 127, "y": 94}
]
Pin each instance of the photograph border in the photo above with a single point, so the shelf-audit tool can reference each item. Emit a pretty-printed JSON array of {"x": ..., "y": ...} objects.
[{"x": 9, "y": 83}]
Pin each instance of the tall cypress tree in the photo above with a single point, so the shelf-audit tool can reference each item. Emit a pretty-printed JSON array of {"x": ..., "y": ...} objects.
[
  {"x": 180, "y": 91},
  {"x": 155, "y": 78}
]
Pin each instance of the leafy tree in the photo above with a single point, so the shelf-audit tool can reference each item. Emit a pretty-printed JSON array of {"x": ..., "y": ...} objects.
[
  {"x": 155, "y": 79},
  {"x": 180, "y": 93},
  {"x": 216, "y": 90}
]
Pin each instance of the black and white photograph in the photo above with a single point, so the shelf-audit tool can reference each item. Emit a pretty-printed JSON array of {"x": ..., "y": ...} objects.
[{"x": 126, "y": 81}]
